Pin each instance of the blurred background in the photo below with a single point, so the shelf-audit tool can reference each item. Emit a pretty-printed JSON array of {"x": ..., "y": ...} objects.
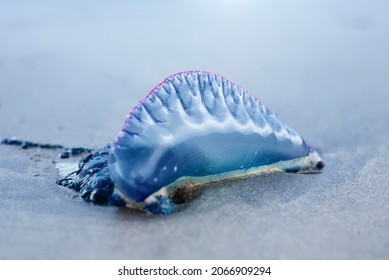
[
  {"x": 78, "y": 67},
  {"x": 70, "y": 71}
]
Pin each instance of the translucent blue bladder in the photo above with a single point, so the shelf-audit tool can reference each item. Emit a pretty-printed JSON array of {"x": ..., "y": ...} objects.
[{"x": 194, "y": 128}]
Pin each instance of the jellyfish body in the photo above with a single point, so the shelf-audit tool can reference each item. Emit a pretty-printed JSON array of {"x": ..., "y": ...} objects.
[{"x": 194, "y": 128}]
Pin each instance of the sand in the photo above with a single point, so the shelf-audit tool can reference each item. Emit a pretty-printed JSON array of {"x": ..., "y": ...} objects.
[{"x": 69, "y": 76}]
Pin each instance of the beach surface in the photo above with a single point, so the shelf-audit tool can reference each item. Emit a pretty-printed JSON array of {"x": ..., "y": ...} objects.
[{"x": 70, "y": 72}]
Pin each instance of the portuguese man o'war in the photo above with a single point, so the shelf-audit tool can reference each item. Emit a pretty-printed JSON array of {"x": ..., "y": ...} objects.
[{"x": 192, "y": 129}]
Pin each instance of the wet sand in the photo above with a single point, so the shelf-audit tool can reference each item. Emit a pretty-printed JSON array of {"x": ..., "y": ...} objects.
[{"x": 70, "y": 78}]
